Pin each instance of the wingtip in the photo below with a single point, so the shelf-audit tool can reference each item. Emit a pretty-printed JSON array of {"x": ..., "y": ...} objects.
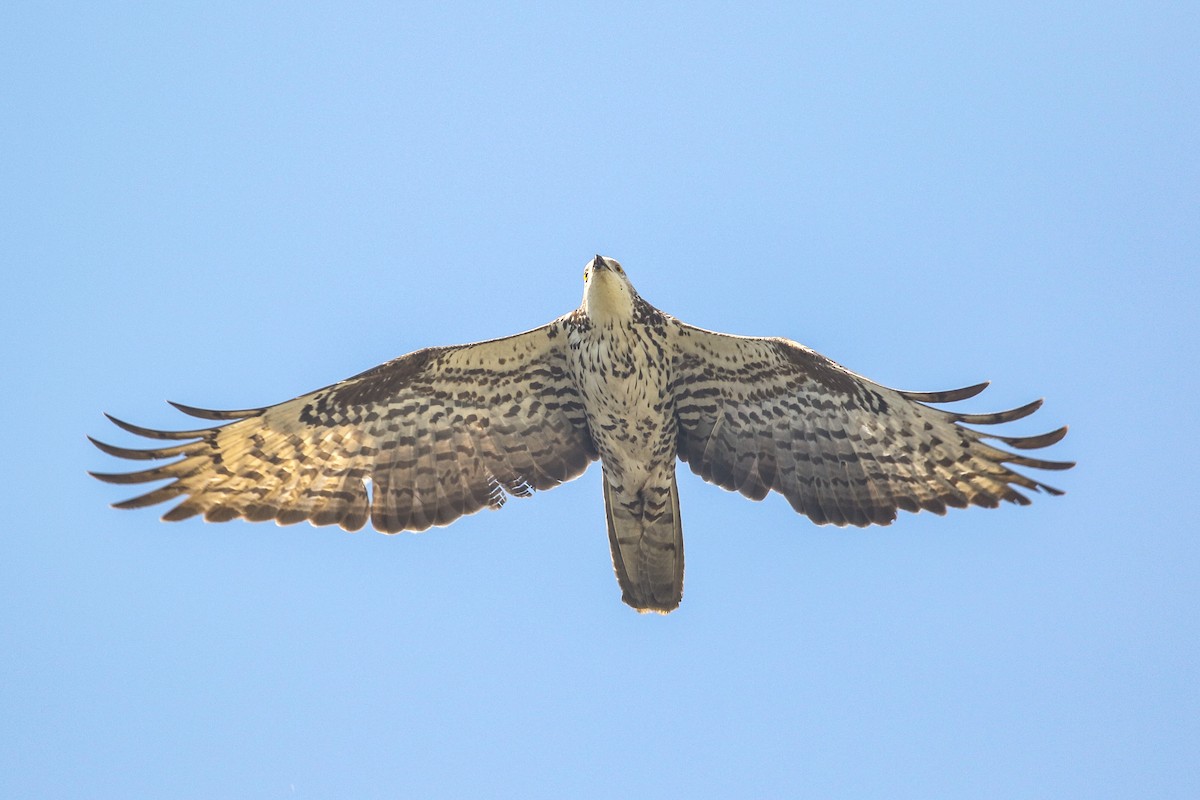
[
  {"x": 150, "y": 433},
  {"x": 977, "y": 388},
  {"x": 213, "y": 414},
  {"x": 949, "y": 395},
  {"x": 103, "y": 447},
  {"x": 999, "y": 417},
  {"x": 1031, "y": 442}
]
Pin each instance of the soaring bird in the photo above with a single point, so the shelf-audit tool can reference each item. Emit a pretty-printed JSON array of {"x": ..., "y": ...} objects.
[{"x": 446, "y": 431}]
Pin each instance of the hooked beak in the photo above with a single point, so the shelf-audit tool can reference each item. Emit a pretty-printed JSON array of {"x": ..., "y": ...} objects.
[{"x": 599, "y": 263}]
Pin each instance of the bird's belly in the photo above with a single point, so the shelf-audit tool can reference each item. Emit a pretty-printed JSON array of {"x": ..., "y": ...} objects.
[{"x": 631, "y": 420}]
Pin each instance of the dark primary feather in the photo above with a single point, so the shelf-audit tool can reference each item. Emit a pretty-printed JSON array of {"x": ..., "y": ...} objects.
[
  {"x": 436, "y": 434},
  {"x": 759, "y": 415}
]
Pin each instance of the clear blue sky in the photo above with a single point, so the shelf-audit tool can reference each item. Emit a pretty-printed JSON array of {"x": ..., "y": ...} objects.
[{"x": 230, "y": 204}]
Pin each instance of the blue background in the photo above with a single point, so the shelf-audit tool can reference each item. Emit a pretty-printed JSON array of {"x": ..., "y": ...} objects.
[{"x": 231, "y": 204}]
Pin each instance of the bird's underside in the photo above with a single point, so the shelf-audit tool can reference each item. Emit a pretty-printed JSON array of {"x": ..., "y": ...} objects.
[{"x": 447, "y": 431}]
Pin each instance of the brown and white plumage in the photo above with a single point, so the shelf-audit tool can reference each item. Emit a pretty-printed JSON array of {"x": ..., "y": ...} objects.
[
  {"x": 446, "y": 431},
  {"x": 433, "y": 439},
  {"x": 759, "y": 415}
]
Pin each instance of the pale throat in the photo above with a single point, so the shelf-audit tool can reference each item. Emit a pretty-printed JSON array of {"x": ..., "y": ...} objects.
[{"x": 606, "y": 298}]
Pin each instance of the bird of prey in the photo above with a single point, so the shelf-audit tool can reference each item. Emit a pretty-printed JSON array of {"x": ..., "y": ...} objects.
[{"x": 446, "y": 431}]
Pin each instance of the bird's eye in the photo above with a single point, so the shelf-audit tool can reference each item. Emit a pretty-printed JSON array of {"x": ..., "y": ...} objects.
[{"x": 585, "y": 275}]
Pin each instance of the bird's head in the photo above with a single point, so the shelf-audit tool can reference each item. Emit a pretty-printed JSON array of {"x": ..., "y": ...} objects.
[{"x": 607, "y": 292}]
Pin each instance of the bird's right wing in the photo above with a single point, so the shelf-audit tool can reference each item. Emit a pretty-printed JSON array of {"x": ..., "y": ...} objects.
[
  {"x": 437, "y": 433},
  {"x": 757, "y": 415}
]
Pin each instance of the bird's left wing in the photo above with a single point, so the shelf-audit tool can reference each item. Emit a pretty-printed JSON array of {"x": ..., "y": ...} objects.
[
  {"x": 437, "y": 433},
  {"x": 758, "y": 414}
]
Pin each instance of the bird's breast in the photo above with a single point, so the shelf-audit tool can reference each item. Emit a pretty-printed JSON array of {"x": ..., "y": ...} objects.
[{"x": 624, "y": 381}]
